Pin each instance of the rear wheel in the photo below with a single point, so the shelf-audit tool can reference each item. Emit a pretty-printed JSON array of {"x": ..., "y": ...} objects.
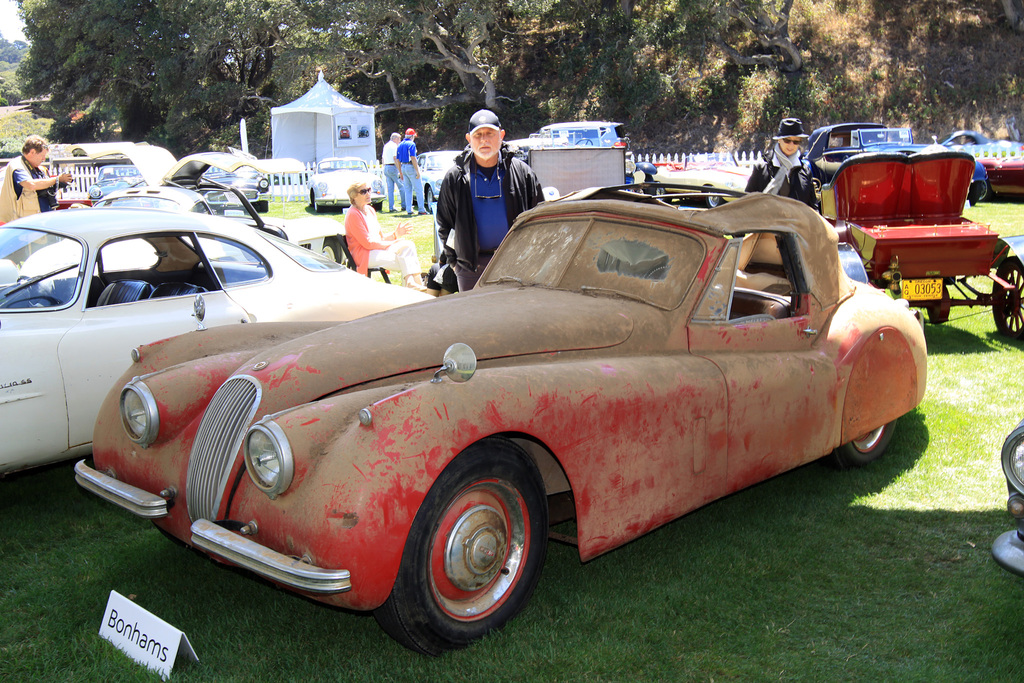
[
  {"x": 474, "y": 552},
  {"x": 864, "y": 449},
  {"x": 1006, "y": 304},
  {"x": 332, "y": 249},
  {"x": 714, "y": 199},
  {"x": 428, "y": 197}
]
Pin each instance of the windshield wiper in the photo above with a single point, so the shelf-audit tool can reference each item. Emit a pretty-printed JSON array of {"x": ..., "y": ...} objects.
[{"x": 35, "y": 280}]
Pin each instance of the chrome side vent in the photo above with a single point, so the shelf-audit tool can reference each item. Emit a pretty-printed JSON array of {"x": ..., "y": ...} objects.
[{"x": 217, "y": 442}]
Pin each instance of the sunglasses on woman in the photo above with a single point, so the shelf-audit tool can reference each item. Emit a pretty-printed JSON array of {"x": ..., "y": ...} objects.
[{"x": 365, "y": 190}]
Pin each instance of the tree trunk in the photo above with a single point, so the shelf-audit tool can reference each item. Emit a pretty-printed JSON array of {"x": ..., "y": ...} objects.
[{"x": 1014, "y": 11}]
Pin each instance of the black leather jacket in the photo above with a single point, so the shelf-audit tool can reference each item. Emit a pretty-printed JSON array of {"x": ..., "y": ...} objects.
[
  {"x": 520, "y": 187},
  {"x": 799, "y": 187}
]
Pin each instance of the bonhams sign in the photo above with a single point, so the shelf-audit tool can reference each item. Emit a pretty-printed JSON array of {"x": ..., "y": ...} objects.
[{"x": 148, "y": 640}]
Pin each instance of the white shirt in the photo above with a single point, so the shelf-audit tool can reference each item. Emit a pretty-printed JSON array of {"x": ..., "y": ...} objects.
[{"x": 387, "y": 155}]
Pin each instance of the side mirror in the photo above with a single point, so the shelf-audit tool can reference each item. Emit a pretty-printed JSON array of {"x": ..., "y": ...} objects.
[
  {"x": 459, "y": 364},
  {"x": 199, "y": 310}
]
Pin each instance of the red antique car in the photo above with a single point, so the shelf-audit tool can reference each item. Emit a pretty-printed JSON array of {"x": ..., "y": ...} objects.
[
  {"x": 621, "y": 363},
  {"x": 903, "y": 215}
]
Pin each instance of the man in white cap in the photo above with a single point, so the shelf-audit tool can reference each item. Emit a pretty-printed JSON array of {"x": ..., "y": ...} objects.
[{"x": 480, "y": 197}]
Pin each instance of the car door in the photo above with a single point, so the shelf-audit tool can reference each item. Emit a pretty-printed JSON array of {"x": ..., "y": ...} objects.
[
  {"x": 780, "y": 380},
  {"x": 39, "y": 290},
  {"x": 97, "y": 349}
]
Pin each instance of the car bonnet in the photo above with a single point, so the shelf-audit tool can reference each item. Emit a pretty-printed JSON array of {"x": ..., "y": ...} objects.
[{"x": 497, "y": 322}]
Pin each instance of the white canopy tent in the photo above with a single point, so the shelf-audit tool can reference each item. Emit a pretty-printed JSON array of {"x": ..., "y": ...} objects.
[{"x": 323, "y": 123}]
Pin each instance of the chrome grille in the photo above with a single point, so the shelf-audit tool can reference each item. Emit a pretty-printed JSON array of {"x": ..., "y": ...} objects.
[{"x": 217, "y": 441}]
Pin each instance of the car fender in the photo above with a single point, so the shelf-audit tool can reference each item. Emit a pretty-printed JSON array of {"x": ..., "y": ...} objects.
[
  {"x": 1008, "y": 247},
  {"x": 360, "y": 480},
  {"x": 876, "y": 347}
]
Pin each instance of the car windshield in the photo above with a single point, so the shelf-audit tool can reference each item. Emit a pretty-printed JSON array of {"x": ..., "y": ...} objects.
[
  {"x": 340, "y": 165},
  {"x": 881, "y": 136},
  {"x": 149, "y": 202},
  {"x": 600, "y": 256},
  {"x": 110, "y": 173},
  {"x": 310, "y": 260},
  {"x": 38, "y": 269},
  {"x": 225, "y": 203}
]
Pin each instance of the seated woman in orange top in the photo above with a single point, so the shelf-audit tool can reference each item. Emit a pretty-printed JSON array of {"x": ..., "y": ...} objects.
[{"x": 369, "y": 248}]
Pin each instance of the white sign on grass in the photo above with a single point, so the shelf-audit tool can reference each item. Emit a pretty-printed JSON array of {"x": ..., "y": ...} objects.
[{"x": 147, "y": 639}]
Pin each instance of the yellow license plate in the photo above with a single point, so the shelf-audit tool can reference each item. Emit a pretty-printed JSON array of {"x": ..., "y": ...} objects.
[{"x": 917, "y": 290}]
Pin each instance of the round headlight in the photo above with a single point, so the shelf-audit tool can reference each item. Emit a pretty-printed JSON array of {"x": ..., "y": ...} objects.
[
  {"x": 321, "y": 187},
  {"x": 1013, "y": 458},
  {"x": 95, "y": 193},
  {"x": 263, "y": 184},
  {"x": 268, "y": 458},
  {"x": 139, "y": 414}
]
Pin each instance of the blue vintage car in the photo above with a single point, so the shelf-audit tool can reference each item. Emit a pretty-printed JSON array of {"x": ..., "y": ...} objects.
[
  {"x": 830, "y": 146},
  {"x": 1008, "y": 549}
]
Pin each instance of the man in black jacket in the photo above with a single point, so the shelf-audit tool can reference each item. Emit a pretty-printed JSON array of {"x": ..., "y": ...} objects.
[
  {"x": 782, "y": 170},
  {"x": 480, "y": 197}
]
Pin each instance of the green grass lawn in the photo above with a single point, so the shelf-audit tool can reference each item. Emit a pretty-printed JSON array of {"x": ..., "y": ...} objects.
[{"x": 878, "y": 574}]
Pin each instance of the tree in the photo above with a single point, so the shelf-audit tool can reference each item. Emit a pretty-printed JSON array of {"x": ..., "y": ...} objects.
[
  {"x": 1014, "y": 11},
  {"x": 768, "y": 21},
  {"x": 393, "y": 40}
]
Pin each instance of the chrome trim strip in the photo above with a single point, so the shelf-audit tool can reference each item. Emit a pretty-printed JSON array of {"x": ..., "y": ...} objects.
[
  {"x": 267, "y": 563},
  {"x": 131, "y": 498}
]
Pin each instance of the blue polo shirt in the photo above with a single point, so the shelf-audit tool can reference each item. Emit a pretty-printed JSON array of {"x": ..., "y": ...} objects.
[
  {"x": 406, "y": 151},
  {"x": 488, "y": 207}
]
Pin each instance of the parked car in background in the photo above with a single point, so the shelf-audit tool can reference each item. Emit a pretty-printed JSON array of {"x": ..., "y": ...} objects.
[
  {"x": 187, "y": 187},
  {"x": 1002, "y": 159},
  {"x": 715, "y": 171},
  {"x": 80, "y": 289},
  {"x": 252, "y": 183},
  {"x": 574, "y": 134},
  {"x": 974, "y": 142},
  {"x": 433, "y": 166},
  {"x": 1008, "y": 549},
  {"x": 621, "y": 363},
  {"x": 114, "y": 177},
  {"x": 328, "y": 186},
  {"x": 830, "y": 146}
]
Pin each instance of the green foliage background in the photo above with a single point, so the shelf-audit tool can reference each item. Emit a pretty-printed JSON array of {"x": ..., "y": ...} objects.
[{"x": 181, "y": 73}]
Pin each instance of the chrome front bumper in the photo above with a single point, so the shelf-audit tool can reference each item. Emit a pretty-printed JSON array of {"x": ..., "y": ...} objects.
[
  {"x": 267, "y": 563},
  {"x": 217, "y": 540},
  {"x": 131, "y": 498},
  {"x": 1008, "y": 551}
]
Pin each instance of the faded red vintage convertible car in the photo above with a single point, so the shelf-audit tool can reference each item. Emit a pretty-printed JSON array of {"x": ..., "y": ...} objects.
[{"x": 622, "y": 362}]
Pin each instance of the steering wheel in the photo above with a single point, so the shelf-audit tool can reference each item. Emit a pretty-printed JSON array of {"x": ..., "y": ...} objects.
[{"x": 585, "y": 142}]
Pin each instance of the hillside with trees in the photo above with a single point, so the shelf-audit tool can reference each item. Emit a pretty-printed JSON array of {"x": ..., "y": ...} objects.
[{"x": 683, "y": 75}]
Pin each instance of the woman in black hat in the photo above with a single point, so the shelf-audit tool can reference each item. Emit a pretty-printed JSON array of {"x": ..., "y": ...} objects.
[{"x": 782, "y": 169}]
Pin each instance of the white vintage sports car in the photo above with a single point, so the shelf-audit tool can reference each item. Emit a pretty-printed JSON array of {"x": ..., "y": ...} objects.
[
  {"x": 80, "y": 289},
  {"x": 329, "y": 185}
]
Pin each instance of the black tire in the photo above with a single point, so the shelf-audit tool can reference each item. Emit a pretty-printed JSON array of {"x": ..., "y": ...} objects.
[
  {"x": 312, "y": 202},
  {"x": 713, "y": 200},
  {"x": 864, "y": 449},
  {"x": 428, "y": 198},
  {"x": 332, "y": 250},
  {"x": 978, "y": 192},
  {"x": 492, "y": 498},
  {"x": 261, "y": 205},
  {"x": 1007, "y": 308}
]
